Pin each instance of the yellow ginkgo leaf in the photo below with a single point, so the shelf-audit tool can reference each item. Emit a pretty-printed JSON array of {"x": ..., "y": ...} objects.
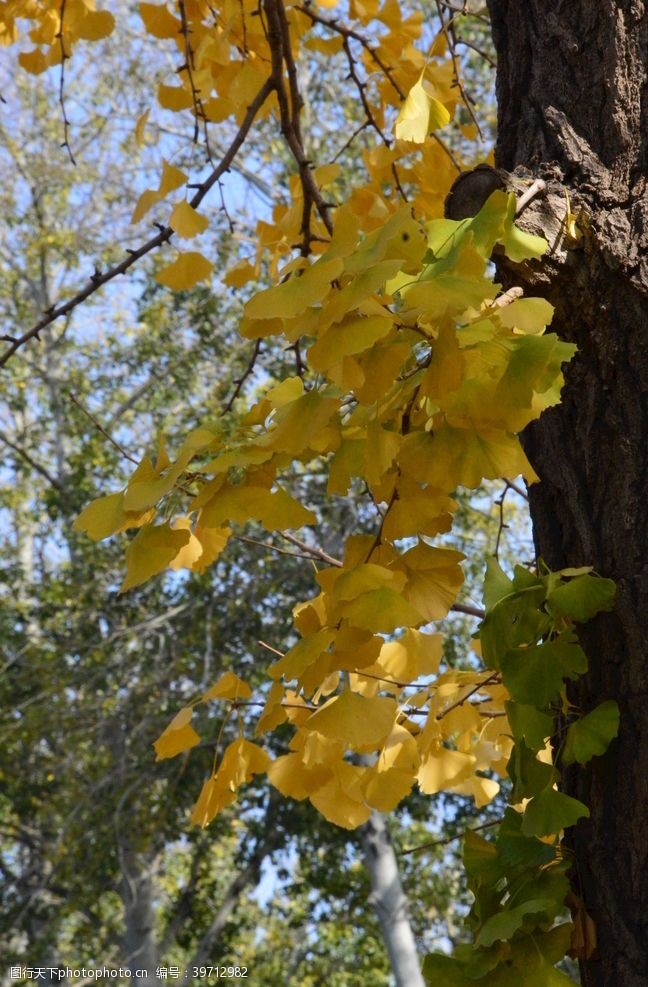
[
  {"x": 420, "y": 114},
  {"x": 186, "y": 222},
  {"x": 411, "y": 655},
  {"x": 386, "y": 789},
  {"x": 362, "y": 723},
  {"x": 381, "y": 610},
  {"x": 172, "y": 178},
  {"x": 146, "y": 201},
  {"x": 345, "y": 338},
  {"x": 338, "y": 807},
  {"x": 400, "y": 751},
  {"x": 175, "y": 97},
  {"x": 442, "y": 768},
  {"x": 106, "y": 516},
  {"x": 529, "y": 315},
  {"x": 150, "y": 552},
  {"x": 181, "y": 719},
  {"x": 185, "y": 272},
  {"x": 483, "y": 790},
  {"x": 189, "y": 553},
  {"x": 241, "y": 760},
  {"x": 295, "y": 295},
  {"x": 229, "y": 686},
  {"x": 303, "y": 654},
  {"x": 294, "y": 779},
  {"x": 158, "y": 20},
  {"x": 434, "y": 578},
  {"x": 239, "y": 274},
  {"x": 214, "y": 797},
  {"x": 146, "y": 486},
  {"x": 35, "y": 62},
  {"x": 273, "y": 712},
  {"x": 96, "y": 24},
  {"x": 213, "y": 541},
  {"x": 178, "y": 737}
]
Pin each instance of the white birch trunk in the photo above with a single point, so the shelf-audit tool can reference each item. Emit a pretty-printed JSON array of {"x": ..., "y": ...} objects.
[{"x": 389, "y": 902}]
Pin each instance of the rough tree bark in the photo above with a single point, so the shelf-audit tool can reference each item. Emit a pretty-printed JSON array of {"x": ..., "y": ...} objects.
[{"x": 572, "y": 96}]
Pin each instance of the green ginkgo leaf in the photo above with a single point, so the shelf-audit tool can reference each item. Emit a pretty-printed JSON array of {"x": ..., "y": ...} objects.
[
  {"x": 591, "y": 735},
  {"x": 551, "y": 811}
]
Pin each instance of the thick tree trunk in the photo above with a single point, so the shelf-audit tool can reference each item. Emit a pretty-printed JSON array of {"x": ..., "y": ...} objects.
[{"x": 573, "y": 107}]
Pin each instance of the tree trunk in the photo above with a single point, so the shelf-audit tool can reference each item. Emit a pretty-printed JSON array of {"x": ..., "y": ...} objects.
[
  {"x": 389, "y": 902},
  {"x": 573, "y": 107},
  {"x": 139, "y": 942}
]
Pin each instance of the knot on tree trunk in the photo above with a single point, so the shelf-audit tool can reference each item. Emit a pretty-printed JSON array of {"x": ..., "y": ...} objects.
[{"x": 545, "y": 208}]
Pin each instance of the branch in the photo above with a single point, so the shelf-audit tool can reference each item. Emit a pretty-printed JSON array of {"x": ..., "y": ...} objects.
[
  {"x": 64, "y": 57},
  {"x": 98, "y": 279},
  {"x": 449, "y": 839},
  {"x": 455, "y": 65},
  {"x": 314, "y": 551},
  {"x": 334, "y": 25},
  {"x": 238, "y": 383},
  {"x": 32, "y": 462},
  {"x": 101, "y": 429},
  {"x": 492, "y": 677},
  {"x": 248, "y": 875},
  {"x": 468, "y": 609},
  {"x": 183, "y": 905},
  {"x": 279, "y": 43}
]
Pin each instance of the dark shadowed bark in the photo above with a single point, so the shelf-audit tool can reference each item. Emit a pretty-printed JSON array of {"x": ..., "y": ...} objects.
[{"x": 573, "y": 108}]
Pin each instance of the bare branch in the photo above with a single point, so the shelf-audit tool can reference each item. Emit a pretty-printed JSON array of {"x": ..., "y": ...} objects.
[
  {"x": 32, "y": 462},
  {"x": 64, "y": 57},
  {"x": 101, "y": 429},
  {"x": 98, "y": 279}
]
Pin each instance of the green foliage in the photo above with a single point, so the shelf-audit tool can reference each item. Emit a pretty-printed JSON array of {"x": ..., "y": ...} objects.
[{"x": 519, "y": 880}]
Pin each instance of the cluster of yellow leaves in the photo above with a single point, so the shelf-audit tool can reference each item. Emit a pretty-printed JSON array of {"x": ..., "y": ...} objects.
[
  {"x": 225, "y": 61},
  {"x": 55, "y": 29},
  {"x": 418, "y": 382},
  {"x": 447, "y": 750}
]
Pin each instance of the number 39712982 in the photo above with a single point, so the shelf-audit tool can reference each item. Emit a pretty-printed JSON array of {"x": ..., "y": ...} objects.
[{"x": 219, "y": 972}]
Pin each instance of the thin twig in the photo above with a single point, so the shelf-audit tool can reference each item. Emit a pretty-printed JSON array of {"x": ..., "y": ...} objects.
[
  {"x": 334, "y": 25},
  {"x": 501, "y": 526},
  {"x": 361, "y": 87},
  {"x": 535, "y": 188},
  {"x": 101, "y": 429},
  {"x": 64, "y": 57},
  {"x": 269, "y": 647},
  {"x": 514, "y": 486},
  {"x": 314, "y": 551},
  {"x": 449, "y": 839},
  {"x": 477, "y": 688},
  {"x": 483, "y": 54},
  {"x": 469, "y": 610},
  {"x": 442, "y": 144},
  {"x": 272, "y": 548},
  {"x": 199, "y": 113},
  {"x": 457, "y": 70},
  {"x": 239, "y": 382}
]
